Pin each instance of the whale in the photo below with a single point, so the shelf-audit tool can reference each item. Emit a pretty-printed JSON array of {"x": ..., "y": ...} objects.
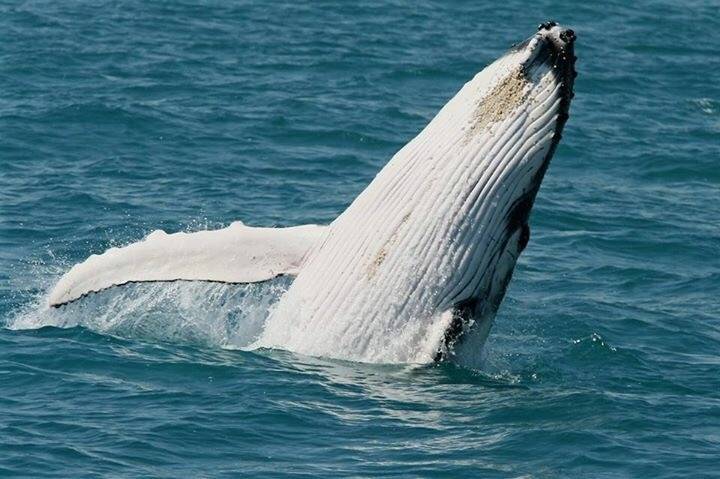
[{"x": 415, "y": 269}]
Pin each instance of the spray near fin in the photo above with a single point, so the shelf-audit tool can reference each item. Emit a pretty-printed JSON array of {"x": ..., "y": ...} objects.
[{"x": 236, "y": 254}]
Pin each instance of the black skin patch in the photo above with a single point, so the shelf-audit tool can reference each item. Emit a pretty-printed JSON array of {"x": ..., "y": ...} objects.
[
  {"x": 463, "y": 312},
  {"x": 524, "y": 238},
  {"x": 461, "y": 317},
  {"x": 520, "y": 212}
]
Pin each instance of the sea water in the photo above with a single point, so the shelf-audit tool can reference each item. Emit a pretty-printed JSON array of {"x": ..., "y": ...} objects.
[{"x": 118, "y": 118}]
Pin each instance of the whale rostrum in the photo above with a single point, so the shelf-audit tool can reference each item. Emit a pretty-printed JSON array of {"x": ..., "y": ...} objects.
[{"x": 415, "y": 268}]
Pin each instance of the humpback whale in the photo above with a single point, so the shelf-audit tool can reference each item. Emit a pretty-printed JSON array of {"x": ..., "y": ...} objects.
[{"x": 415, "y": 268}]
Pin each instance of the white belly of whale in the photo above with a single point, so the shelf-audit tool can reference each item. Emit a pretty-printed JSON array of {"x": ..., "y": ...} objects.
[{"x": 381, "y": 286}]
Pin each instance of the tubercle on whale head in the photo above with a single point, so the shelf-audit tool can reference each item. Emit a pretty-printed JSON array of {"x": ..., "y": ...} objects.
[
  {"x": 563, "y": 42},
  {"x": 552, "y": 45},
  {"x": 557, "y": 44},
  {"x": 560, "y": 42},
  {"x": 554, "y": 39}
]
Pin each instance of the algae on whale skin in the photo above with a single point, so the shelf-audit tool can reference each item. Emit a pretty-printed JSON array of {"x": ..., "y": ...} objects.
[
  {"x": 382, "y": 253},
  {"x": 505, "y": 97}
]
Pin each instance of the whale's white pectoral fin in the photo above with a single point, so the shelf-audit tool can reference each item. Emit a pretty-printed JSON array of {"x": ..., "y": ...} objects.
[{"x": 236, "y": 254}]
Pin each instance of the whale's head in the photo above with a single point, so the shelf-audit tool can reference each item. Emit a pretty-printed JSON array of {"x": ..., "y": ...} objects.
[
  {"x": 522, "y": 113},
  {"x": 523, "y": 75},
  {"x": 512, "y": 115}
]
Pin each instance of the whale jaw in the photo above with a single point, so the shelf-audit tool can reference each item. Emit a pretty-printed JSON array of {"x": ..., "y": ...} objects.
[
  {"x": 422, "y": 258},
  {"x": 472, "y": 318}
]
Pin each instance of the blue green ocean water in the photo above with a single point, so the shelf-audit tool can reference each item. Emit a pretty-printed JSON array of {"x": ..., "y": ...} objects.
[{"x": 117, "y": 118}]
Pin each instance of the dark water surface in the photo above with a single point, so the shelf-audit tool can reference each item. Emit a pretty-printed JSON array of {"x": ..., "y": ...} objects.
[{"x": 118, "y": 118}]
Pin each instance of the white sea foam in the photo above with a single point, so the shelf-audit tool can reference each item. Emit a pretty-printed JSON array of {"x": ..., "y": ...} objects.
[{"x": 192, "y": 312}]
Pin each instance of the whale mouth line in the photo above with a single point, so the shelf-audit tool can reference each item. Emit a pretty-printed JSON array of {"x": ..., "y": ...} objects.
[{"x": 557, "y": 47}]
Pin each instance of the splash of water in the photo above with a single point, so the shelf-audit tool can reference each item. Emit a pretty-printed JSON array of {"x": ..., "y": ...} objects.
[
  {"x": 214, "y": 314},
  {"x": 232, "y": 316}
]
